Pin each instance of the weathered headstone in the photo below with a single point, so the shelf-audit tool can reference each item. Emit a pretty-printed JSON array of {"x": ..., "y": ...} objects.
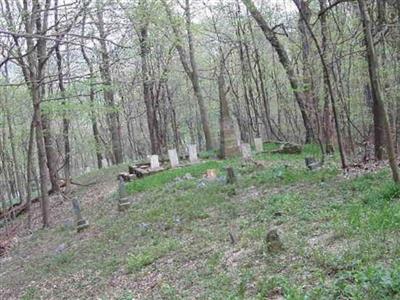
[
  {"x": 154, "y": 163},
  {"x": 104, "y": 162},
  {"x": 173, "y": 158},
  {"x": 193, "y": 153},
  {"x": 273, "y": 240},
  {"x": 246, "y": 150},
  {"x": 258, "y": 143},
  {"x": 81, "y": 223},
  {"x": 230, "y": 175},
  {"x": 312, "y": 164},
  {"x": 123, "y": 201}
]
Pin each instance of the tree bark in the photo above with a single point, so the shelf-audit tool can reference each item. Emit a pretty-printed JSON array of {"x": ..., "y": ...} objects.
[
  {"x": 112, "y": 114},
  {"x": 376, "y": 88},
  {"x": 271, "y": 36}
]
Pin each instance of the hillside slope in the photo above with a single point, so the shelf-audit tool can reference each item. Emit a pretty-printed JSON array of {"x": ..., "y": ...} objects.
[{"x": 189, "y": 238}]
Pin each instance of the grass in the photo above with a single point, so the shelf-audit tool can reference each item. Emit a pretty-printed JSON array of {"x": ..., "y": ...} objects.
[
  {"x": 341, "y": 238},
  {"x": 157, "y": 180}
]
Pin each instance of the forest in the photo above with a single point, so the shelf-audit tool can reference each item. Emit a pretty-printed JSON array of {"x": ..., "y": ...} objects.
[{"x": 199, "y": 149}]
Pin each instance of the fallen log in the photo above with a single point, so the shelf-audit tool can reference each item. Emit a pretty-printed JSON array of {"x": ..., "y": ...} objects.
[
  {"x": 20, "y": 208},
  {"x": 288, "y": 148}
]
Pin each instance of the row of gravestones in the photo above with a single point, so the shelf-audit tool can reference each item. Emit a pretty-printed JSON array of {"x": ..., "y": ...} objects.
[
  {"x": 246, "y": 148},
  {"x": 173, "y": 158},
  {"x": 124, "y": 201}
]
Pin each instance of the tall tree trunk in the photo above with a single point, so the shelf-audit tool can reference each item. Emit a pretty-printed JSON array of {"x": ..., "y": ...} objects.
[
  {"x": 196, "y": 81},
  {"x": 228, "y": 144},
  {"x": 376, "y": 88},
  {"x": 271, "y": 36},
  {"x": 112, "y": 114},
  {"x": 93, "y": 119},
  {"x": 190, "y": 67},
  {"x": 29, "y": 175},
  {"x": 307, "y": 84},
  {"x": 330, "y": 89},
  {"x": 50, "y": 149},
  {"x": 61, "y": 86},
  {"x": 327, "y": 118},
  {"x": 148, "y": 98}
]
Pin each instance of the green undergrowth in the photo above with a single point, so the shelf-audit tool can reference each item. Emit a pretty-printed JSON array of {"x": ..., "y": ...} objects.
[
  {"x": 159, "y": 179},
  {"x": 185, "y": 237}
]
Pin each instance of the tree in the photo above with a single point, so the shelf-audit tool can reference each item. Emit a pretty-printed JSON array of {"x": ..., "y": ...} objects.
[
  {"x": 190, "y": 66},
  {"x": 376, "y": 88},
  {"x": 272, "y": 37}
]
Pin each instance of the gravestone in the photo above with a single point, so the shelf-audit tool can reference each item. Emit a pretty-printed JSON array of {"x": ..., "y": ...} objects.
[
  {"x": 123, "y": 201},
  {"x": 230, "y": 175},
  {"x": 81, "y": 223},
  {"x": 154, "y": 163},
  {"x": 258, "y": 143},
  {"x": 193, "y": 153},
  {"x": 173, "y": 158},
  {"x": 104, "y": 162},
  {"x": 246, "y": 150}
]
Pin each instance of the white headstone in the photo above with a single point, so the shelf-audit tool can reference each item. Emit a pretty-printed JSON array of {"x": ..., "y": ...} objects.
[
  {"x": 246, "y": 150},
  {"x": 193, "y": 153},
  {"x": 258, "y": 143},
  {"x": 104, "y": 162},
  {"x": 173, "y": 158},
  {"x": 154, "y": 163}
]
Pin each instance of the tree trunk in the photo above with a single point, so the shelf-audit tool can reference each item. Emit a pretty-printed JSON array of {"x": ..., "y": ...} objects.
[
  {"x": 112, "y": 114},
  {"x": 327, "y": 118},
  {"x": 148, "y": 99},
  {"x": 228, "y": 145},
  {"x": 285, "y": 61},
  {"x": 376, "y": 88}
]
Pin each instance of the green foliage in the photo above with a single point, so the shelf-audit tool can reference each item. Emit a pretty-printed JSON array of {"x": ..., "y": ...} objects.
[
  {"x": 144, "y": 257},
  {"x": 374, "y": 282},
  {"x": 338, "y": 234}
]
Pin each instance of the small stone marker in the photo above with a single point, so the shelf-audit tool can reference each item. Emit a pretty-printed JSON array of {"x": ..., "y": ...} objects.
[
  {"x": 123, "y": 202},
  {"x": 230, "y": 175},
  {"x": 81, "y": 222},
  {"x": 193, "y": 153},
  {"x": 154, "y": 163},
  {"x": 173, "y": 158},
  {"x": 273, "y": 240},
  {"x": 258, "y": 143},
  {"x": 246, "y": 150},
  {"x": 312, "y": 164}
]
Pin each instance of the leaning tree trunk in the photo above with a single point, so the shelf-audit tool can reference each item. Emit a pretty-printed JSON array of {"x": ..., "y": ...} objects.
[
  {"x": 190, "y": 67},
  {"x": 271, "y": 36}
]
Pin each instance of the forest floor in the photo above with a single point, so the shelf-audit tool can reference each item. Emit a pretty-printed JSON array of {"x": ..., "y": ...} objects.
[{"x": 186, "y": 237}]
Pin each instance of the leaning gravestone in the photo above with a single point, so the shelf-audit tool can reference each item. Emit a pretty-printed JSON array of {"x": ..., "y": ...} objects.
[
  {"x": 173, "y": 158},
  {"x": 246, "y": 150},
  {"x": 154, "y": 163},
  {"x": 123, "y": 201},
  {"x": 193, "y": 153},
  {"x": 258, "y": 143},
  {"x": 81, "y": 223}
]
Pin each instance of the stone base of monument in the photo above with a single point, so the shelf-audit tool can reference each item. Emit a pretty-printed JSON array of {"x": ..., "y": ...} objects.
[
  {"x": 124, "y": 204},
  {"x": 82, "y": 225}
]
